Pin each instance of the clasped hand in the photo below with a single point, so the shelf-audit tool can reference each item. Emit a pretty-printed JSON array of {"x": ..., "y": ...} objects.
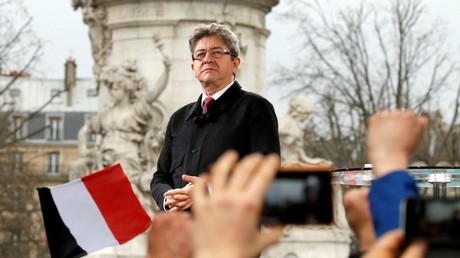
[{"x": 181, "y": 198}]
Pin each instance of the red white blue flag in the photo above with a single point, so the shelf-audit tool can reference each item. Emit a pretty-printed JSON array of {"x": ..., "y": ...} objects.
[{"x": 87, "y": 214}]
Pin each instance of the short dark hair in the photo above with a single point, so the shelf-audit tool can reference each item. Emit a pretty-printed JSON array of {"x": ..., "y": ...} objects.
[{"x": 230, "y": 39}]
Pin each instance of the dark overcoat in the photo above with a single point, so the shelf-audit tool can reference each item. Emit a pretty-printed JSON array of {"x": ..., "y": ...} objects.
[{"x": 238, "y": 120}]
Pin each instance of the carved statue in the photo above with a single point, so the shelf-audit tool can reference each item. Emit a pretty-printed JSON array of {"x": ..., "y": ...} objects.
[
  {"x": 128, "y": 126},
  {"x": 99, "y": 34},
  {"x": 292, "y": 134}
]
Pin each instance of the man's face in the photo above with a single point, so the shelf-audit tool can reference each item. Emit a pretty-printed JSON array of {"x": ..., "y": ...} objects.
[{"x": 214, "y": 70}]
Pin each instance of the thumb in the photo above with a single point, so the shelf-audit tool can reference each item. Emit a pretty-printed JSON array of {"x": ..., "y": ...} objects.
[
  {"x": 190, "y": 179},
  {"x": 415, "y": 250},
  {"x": 269, "y": 237}
]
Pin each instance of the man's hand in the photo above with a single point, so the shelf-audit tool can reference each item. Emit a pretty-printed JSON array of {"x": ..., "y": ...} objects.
[{"x": 181, "y": 199}]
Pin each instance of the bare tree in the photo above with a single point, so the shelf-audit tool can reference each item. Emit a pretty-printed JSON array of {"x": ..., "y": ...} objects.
[
  {"x": 20, "y": 48},
  {"x": 359, "y": 60},
  {"x": 21, "y": 225},
  {"x": 22, "y": 232}
]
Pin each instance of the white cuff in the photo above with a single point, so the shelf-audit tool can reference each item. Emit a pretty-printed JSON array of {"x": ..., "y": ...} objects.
[{"x": 166, "y": 208}]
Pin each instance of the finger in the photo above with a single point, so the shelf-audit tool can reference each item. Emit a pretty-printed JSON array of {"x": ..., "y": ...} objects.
[
  {"x": 170, "y": 202},
  {"x": 422, "y": 124},
  {"x": 174, "y": 192},
  {"x": 188, "y": 205},
  {"x": 189, "y": 178},
  {"x": 262, "y": 179},
  {"x": 388, "y": 244},
  {"x": 364, "y": 192},
  {"x": 220, "y": 170},
  {"x": 181, "y": 197},
  {"x": 359, "y": 218},
  {"x": 184, "y": 204},
  {"x": 270, "y": 236},
  {"x": 244, "y": 171},
  {"x": 200, "y": 192},
  {"x": 355, "y": 196},
  {"x": 416, "y": 249}
]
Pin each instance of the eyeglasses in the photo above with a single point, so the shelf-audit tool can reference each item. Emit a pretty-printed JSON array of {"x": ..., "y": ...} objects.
[{"x": 216, "y": 53}]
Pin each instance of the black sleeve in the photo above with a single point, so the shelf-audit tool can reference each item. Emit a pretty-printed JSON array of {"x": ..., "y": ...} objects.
[{"x": 162, "y": 180}]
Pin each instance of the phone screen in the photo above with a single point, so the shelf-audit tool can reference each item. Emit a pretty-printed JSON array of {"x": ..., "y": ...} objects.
[
  {"x": 436, "y": 220},
  {"x": 299, "y": 197}
]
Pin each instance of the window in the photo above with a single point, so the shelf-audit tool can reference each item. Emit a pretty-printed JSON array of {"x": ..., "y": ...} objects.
[
  {"x": 55, "y": 92},
  {"x": 53, "y": 163},
  {"x": 15, "y": 93},
  {"x": 19, "y": 126},
  {"x": 90, "y": 92},
  {"x": 16, "y": 162},
  {"x": 55, "y": 128}
]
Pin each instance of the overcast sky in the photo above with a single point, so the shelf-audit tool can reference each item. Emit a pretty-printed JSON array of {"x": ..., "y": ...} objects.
[{"x": 66, "y": 35}]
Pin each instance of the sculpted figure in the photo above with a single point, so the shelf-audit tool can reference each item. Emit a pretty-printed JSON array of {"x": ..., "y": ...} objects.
[
  {"x": 100, "y": 36},
  {"x": 292, "y": 134},
  {"x": 123, "y": 124},
  {"x": 125, "y": 121}
]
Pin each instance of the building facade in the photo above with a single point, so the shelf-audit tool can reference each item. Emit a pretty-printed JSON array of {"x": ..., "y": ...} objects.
[{"x": 47, "y": 116}]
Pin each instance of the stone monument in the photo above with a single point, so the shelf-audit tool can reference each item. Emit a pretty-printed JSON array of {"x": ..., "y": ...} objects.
[
  {"x": 122, "y": 29},
  {"x": 142, "y": 73},
  {"x": 315, "y": 241},
  {"x": 292, "y": 134}
]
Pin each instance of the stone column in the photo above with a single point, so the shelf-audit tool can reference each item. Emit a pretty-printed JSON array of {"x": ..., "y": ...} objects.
[{"x": 130, "y": 25}]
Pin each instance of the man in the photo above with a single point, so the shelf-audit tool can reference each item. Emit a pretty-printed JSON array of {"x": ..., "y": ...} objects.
[{"x": 198, "y": 134}]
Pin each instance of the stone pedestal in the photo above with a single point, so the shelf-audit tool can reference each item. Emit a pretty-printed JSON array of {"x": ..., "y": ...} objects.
[{"x": 311, "y": 242}]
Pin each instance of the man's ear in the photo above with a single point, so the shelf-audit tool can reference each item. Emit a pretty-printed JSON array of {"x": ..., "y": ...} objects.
[{"x": 236, "y": 64}]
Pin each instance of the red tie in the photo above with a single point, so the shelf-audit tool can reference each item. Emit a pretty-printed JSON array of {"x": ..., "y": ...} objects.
[{"x": 207, "y": 103}]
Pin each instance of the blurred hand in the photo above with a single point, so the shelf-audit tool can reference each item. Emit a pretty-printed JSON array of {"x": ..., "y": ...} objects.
[
  {"x": 392, "y": 137},
  {"x": 170, "y": 236},
  {"x": 388, "y": 246},
  {"x": 357, "y": 210},
  {"x": 227, "y": 222}
]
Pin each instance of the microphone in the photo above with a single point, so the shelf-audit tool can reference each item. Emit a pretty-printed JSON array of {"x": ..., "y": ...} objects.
[
  {"x": 199, "y": 119},
  {"x": 202, "y": 119}
]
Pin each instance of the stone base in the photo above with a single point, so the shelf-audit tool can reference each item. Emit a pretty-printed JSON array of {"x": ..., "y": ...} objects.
[{"x": 308, "y": 242}]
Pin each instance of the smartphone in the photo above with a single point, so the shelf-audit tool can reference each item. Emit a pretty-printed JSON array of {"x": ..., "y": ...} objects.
[
  {"x": 434, "y": 220},
  {"x": 299, "y": 197}
]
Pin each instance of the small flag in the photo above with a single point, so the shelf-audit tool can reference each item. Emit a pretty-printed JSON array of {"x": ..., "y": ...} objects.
[{"x": 87, "y": 214}]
